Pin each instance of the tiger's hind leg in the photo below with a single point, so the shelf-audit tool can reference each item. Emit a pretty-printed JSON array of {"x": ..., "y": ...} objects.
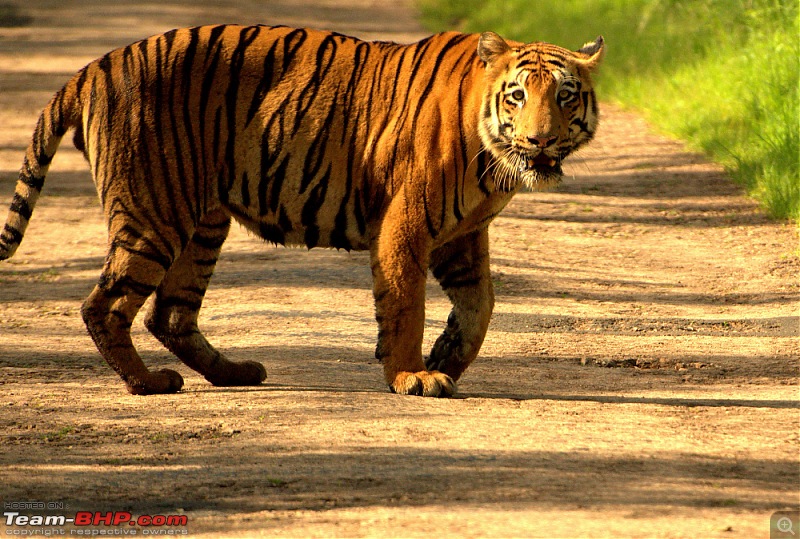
[
  {"x": 132, "y": 271},
  {"x": 173, "y": 318},
  {"x": 462, "y": 269}
]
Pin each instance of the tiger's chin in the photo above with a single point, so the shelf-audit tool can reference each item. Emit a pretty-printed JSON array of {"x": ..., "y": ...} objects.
[{"x": 540, "y": 174}]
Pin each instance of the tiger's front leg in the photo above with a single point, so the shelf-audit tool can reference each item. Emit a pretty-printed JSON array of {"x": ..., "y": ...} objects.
[
  {"x": 462, "y": 269},
  {"x": 399, "y": 269}
]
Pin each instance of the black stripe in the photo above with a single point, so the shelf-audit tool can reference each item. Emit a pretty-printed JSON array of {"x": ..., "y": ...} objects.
[
  {"x": 291, "y": 44},
  {"x": 339, "y": 237},
  {"x": 101, "y": 81},
  {"x": 442, "y": 267},
  {"x": 272, "y": 137},
  {"x": 555, "y": 63},
  {"x": 11, "y": 235},
  {"x": 32, "y": 182},
  {"x": 153, "y": 253},
  {"x": 115, "y": 288},
  {"x": 456, "y": 209},
  {"x": 108, "y": 107},
  {"x": 20, "y": 206},
  {"x": 215, "y": 146},
  {"x": 452, "y": 272},
  {"x": 188, "y": 117},
  {"x": 90, "y": 117},
  {"x": 246, "y": 37},
  {"x": 264, "y": 83},
  {"x": 58, "y": 127},
  {"x": 315, "y": 155},
  {"x": 463, "y": 139},
  {"x": 139, "y": 180},
  {"x": 211, "y": 243},
  {"x": 482, "y": 167},
  {"x": 263, "y": 182},
  {"x": 353, "y": 96},
  {"x": 433, "y": 76},
  {"x": 463, "y": 283},
  {"x": 40, "y": 135},
  {"x": 224, "y": 224},
  {"x": 326, "y": 53},
  {"x": 489, "y": 218},
  {"x": 159, "y": 108},
  {"x": 308, "y": 215},
  {"x": 213, "y": 52},
  {"x": 180, "y": 177},
  {"x": 277, "y": 183},
  {"x": 358, "y": 212},
  {"x": 389, "y": 105},
  {"x": 417, "y": 61},
  {"x": 245, "y": 190},
  {"x": 580, "y": 123},
  {"x": 272, "y": 233},
  {"x": 133, "y": 223},
  {"x": 27, "y": 176}
]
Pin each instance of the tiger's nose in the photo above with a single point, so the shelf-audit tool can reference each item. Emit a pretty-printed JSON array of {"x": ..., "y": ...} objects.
[{"x": 542, "y": 141}]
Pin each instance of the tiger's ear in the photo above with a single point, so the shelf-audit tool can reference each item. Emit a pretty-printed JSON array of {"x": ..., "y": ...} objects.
[
  {"x": 491, "y": 46},
  {"x": 593, "y": 52}
]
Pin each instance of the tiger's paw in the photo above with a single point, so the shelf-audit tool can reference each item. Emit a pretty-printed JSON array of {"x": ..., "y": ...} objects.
[
  {"x": 423, "y": 384},
  {"x": 245, "y": 373},
  {"x": 448, "y": 364},
  {"x": 448, "y": 353},
  {"x": 158, "y": 382}
]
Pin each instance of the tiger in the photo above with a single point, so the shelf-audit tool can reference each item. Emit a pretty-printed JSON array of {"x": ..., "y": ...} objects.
[{"x": 310, "y": 138}]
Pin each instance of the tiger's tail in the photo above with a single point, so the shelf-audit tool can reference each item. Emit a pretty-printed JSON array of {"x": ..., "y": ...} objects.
[{"x": 62, "y": 113}]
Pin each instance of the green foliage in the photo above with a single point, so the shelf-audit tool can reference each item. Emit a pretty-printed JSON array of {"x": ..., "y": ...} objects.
[{"x": 722, "y": 75}]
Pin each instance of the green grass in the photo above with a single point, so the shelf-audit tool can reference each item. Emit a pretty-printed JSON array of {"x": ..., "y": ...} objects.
[{"x": 723, "y": 76}]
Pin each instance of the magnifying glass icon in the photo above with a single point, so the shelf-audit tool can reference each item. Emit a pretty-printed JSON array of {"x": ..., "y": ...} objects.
[{"x": 784, "y": 525}]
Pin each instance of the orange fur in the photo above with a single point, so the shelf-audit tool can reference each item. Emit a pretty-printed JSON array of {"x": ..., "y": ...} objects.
[{"x": 311, "y": 138}]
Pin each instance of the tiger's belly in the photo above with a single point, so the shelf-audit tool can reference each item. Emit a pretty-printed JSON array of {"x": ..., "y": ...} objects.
[{"x": 323, "y": 216}]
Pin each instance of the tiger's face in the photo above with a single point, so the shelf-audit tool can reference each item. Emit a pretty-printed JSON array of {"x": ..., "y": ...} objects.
[{"x": 538, "y": 108}]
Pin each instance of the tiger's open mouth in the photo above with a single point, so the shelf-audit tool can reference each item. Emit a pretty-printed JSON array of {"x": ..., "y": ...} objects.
[
  {"x": 535, "y": 172},
  {"x": 539, "y": 172},
  {"x": 541, "y": 162}
]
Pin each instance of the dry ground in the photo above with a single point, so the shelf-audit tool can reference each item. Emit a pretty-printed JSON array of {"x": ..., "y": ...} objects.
[{"x": 639, "y": 379}]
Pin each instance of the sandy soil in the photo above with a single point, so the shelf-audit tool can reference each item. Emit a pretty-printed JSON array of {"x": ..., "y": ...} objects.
[{"x": 639, "y": 378}]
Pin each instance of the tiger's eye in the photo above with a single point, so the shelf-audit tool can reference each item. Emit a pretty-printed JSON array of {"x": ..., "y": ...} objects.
[
  {"x": 564, "y": 94},
  {"x": 518, "y": 95}
]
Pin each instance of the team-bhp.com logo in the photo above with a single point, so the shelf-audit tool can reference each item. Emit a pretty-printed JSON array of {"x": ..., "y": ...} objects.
[{"x": 89, "y": 523}]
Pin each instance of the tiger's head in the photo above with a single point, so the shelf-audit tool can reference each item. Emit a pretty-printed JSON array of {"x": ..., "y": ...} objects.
[{"x": 538, "y": 108}]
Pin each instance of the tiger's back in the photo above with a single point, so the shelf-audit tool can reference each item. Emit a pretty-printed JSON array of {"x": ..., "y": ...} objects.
[
  {"x": 313, "y": 138},
  {"x": 304, "y": 136}
]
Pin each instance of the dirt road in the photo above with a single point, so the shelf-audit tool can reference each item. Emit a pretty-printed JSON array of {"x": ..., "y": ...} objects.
[{"x": 639, "y": 379}]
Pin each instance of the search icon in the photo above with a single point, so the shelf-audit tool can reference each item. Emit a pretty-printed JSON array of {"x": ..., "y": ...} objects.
[{"x": 784, "y": 525}]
